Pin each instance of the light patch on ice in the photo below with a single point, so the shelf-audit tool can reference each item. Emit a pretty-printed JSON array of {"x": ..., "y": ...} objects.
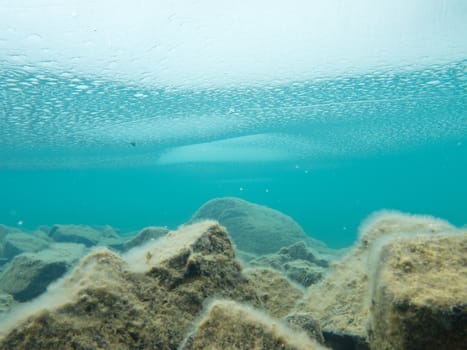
[{"x": 252, "y": 148}]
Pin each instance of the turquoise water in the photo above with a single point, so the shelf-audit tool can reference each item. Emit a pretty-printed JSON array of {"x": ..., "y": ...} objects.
[{"x": 328, "y": 152}]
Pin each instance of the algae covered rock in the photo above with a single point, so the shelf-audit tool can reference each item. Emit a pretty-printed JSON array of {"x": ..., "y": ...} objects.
[
  {"x": 305, "y": 323},
  {"x": 29, "y": 274},
  {"x": 419, "y": 298},
  {"x": 17, "y": 242},
  {"x": 298, "y": 262},
  {"x": 7, "y": 302},
  {"x": 145, "y": 235},
  {"x": 254, "y": 228},
  {"x": 76, "y": 234},
  {"x": 230, "y": 325},
  {"x": 341, "y": 301},
  {"x": 275, "y": 291},
  {"x": 389, "y": 222},
  {"x": 146, "y": 299}
]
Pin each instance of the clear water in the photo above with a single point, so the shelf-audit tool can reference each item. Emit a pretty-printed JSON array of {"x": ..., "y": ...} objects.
[
  {"x": 84, "y": 146},
  {"x": 327, "y": 153}
]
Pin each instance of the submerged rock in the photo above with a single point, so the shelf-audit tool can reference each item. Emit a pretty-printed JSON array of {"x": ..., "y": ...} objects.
[
  {"x": 305, "y": 323},
  {"x": 17, "y": 242},
  {"x": 341, "y": 302},
  {"x": 7, "y": 302},
  {"x": 29, "y": 274},
  {"x": 110, "y": 238},
  {"x": 254, "y": 228},
  {"x": 147, "y": 299},
  {"x": 145, "y": 235},
  {"x": 276, "y": 293},
  {"x": 402, "y": 286},
  {"x": 75, "y": 234},
  {"x": 230, "y": 325},
  {"x": 298, "y": 262},
  {"x": 419, "y": 298}
]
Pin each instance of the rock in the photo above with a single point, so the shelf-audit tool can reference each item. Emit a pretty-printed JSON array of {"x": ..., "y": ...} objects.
[
  {"x": 305, "y": 323},
  {"x": 298, "y": 262},
  {"x": 229, "y": 325},
  {"x": 341, "y": 301},
  {"x": 16, "y": 243},
  {"x": 245, "y": 257},
  {"x": 419, "y": 298},
  {"x": 145, "y": 235},
  {"x": 254, "y": 228},
  {"x": 389, "y": 222},
  {"x": 276, "y": 293},
  {"x": 76, "y": 234},
  {"x": 7, "y": 302},
  {"x": 299, "y": 251},
  {"x": 146, "y": 299},
  {"x": 108, "y": 231},
  {"x": 303, "y": 272},
  {"x": 29, "y": 274},
  {"x": 112, "y": 243}
]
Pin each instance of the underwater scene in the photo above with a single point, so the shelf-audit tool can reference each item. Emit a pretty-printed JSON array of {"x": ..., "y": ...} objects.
[{"x": 217, "y": 175}]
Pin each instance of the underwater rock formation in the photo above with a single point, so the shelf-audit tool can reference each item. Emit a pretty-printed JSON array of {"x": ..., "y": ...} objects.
[
  {"x": 419, "y": 298},
  {"x": 7, "y": 302},
  {"x": 29, "y": 274},
  {"x": 341, "y": 302},
  {"x": 253, "y": 228},
  {"x": 305, "y": 323},
  {"x": 75, "y": 234},
  {"x": 87, "y": 235},
  {"x": 276, "y": 293},
  {"x": 145, "y": 235},
  {"x": 230, "y": 325},
  {"x": 402, "y": 286},
  {"x": 146, "y": 299},
  {"x": 298, "y": 262},
  {"x": 17, "y": 242}
]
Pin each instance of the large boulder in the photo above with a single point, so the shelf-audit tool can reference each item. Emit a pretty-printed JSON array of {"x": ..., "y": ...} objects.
[
  {"x": 146, "y": 299},
  {"x": 341, "y": 301},
  {"x": 229, "y": 325},
  {"x": 419, "y": 293},
  {"x": 254, "y": 228},
  {"x": 29, "y": 274}
]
